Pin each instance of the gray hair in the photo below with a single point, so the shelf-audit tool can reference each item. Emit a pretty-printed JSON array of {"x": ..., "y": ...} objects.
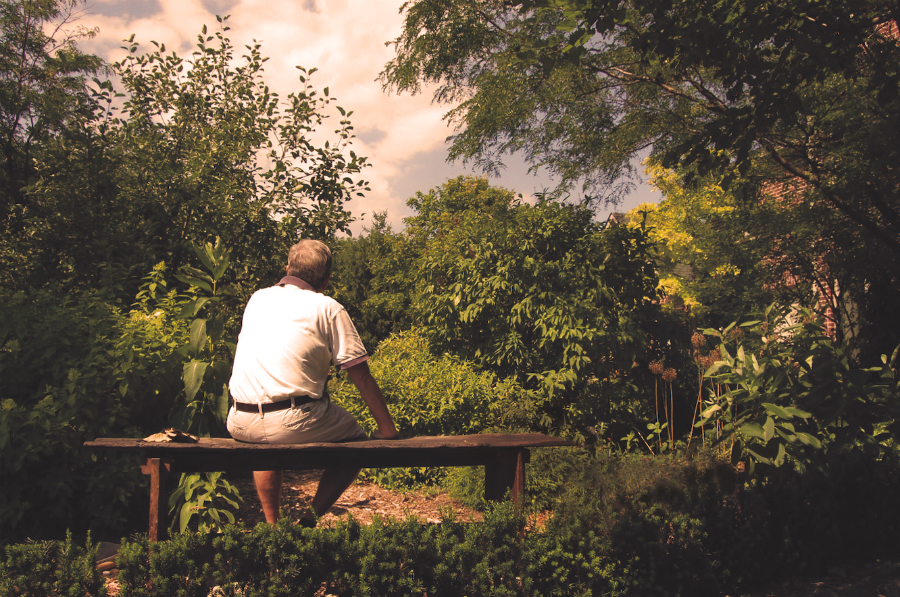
[{"x": 310, "y": 260}]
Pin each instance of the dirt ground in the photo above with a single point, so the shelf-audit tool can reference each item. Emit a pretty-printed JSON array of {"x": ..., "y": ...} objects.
[{"x": 362, "y": 500}]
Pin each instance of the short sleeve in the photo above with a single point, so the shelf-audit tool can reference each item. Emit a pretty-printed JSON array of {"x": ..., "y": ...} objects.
[{"x": 346, "y": 345}]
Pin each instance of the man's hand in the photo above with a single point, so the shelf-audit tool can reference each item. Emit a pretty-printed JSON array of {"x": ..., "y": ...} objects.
[{"x": 377, "y": 435}]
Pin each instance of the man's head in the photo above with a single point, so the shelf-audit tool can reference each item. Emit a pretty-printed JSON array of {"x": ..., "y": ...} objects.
[{"x": 310, "y": 260}]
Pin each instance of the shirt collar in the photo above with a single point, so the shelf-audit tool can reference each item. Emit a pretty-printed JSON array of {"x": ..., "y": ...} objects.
[{"x": 294, "y": 281}]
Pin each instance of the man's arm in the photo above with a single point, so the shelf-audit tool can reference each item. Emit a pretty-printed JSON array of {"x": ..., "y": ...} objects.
[{"x": 374, "y": 399}]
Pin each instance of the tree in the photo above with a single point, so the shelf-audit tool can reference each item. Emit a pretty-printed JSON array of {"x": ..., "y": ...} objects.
[
  {"x": 582, "y": 86},
  {"x": 374, "y": 279},
  {"x": 801, "y": 95},
  {"x": 42, "y": 91},
  {"x": 711, "y": 249},
  {"x": 539, "y": 294},
  {"x": 199, "y": 149}
]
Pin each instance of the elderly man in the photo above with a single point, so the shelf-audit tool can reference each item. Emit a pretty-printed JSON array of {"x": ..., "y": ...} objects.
[{"x": 290, "y": 337}]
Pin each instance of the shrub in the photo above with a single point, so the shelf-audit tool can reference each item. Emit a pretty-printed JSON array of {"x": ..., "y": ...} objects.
[
  {"x": 427, "y": 395},
  {"x": 51, "y": 568},
  {"x": 626, "y": 527},
  {"x": 73, "y": 369}
]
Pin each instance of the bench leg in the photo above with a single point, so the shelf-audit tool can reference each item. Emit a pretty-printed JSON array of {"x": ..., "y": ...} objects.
[
  {"x": 158, "y": 470},
  {"x": 507, "y": 473}
]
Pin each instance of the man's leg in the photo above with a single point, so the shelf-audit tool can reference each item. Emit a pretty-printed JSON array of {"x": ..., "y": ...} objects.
[
  {"x": 331, "y": 486},
  {"x": 268, "y": 487}
]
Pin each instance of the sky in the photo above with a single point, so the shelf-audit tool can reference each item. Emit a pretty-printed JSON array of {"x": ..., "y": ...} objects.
[{"x": 403, "y": 136}]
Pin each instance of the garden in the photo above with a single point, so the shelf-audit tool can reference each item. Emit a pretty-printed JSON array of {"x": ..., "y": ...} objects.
[{"x": 725, "y": 361}]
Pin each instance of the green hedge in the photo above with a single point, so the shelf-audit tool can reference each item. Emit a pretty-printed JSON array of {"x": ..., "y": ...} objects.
[{"x": 629, "y": 527}]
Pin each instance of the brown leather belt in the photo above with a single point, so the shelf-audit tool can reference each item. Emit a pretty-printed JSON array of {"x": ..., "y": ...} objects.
[{"x": 268, "y": 407}]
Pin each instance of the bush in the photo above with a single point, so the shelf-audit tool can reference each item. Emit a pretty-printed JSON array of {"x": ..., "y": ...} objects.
[
  {"x": 51, "y": 568},
  {"x": 549, "y": 474},
  {"x": 78, "y": 366},
  {"x": 427, "y": 395},
  {"x": 73, "y": 369},
  {"x": 626, "y": 527}
]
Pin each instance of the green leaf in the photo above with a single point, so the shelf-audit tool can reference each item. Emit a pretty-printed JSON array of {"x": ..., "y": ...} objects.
[
  {"x": 192, "y": 375},
  {"x": 197, "y": 336},
  {"x": 769, "y": 429},
  {"x": 752, "y": 430},
  {"x": 198, "y": 282},
  {"x": 802, "y": 414},
  {"x": 192, "y": 308},
  {"x": 710, "y": 411},
  {"x": 185, "y": 517},
  {"x": 779, "y": 459},
  {"x": 223, "y": 403},
  {"x": 714, "y": 368},
  {"x": 777, "y": 410},
  {"x": 809, "y": 440}
]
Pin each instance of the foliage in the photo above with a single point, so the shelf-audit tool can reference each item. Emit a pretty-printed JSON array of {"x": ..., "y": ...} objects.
[
  {"x": 785, "y": 390},
  {"x": 795, "y": 103},
  {"x": 540, "y": 295},
  {"x": 427, "y": 395},
  {"x": 208, "y": 496},
  {"x": 73, "y": 370},
  {"x": 206, "y": 398},
  {"x": 206, "y": 374},
  {"x": 710, "y": 247},
  {"x": 174, "y": 150},
  {"x": 105, "y": 182},
  {"x": 51, "y": 568},
  {"x": 626, "y": 526},
  {"x": 726, "y": 256},
  {"x": 551, "y": 472},
  {"x": 42, "y": 89},
  {"x": 373, "y": 279},
  {"x": 79, "y": 369},
  {"x": 581, "y": 87}
]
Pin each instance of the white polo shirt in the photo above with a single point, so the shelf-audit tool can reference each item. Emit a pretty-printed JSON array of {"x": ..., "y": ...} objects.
[{"x": 290, "y": 337}]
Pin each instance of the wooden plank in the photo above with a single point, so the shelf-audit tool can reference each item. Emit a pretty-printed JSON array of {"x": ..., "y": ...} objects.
[
  {"x": 229, "y": 455},
  {"x": 457, "y": 442}
]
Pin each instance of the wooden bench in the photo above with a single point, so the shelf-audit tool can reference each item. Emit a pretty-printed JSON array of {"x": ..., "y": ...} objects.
[{"x": 503, "y": 456}]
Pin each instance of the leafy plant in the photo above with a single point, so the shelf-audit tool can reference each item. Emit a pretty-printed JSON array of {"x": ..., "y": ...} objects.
[
  {"x": 206, "y": 396},
  {"x": 207, "y": 496},
  {"x": 427, "y": 395},
  {"x": 206, "y": 374},
  {"x": 785, "y": 390}
]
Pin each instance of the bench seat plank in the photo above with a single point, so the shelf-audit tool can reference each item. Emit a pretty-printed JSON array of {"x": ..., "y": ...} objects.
[{"x": 216, "y": 454}]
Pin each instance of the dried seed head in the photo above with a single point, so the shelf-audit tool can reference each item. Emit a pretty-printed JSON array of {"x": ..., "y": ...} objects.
[
  {"x": 669, "y": 375},
  {"x": 656, "y": 367},
  {"x": 736, "y": 333},
  {"x": 697, "y": 340}
]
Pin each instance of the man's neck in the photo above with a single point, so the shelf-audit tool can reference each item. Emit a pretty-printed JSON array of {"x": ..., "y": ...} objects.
[{"x": 295, "y": 281}]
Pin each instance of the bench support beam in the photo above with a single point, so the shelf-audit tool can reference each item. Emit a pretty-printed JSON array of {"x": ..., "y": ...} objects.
[
  {"x": 506, "y": 473},
  {"x": 158, "y": 469}
]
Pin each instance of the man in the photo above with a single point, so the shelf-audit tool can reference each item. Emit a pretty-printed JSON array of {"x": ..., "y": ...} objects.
[{"x": 290, "y": 337}]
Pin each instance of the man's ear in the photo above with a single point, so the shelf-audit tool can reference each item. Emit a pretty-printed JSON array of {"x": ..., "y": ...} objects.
[{"x": 286, "y": 271}]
